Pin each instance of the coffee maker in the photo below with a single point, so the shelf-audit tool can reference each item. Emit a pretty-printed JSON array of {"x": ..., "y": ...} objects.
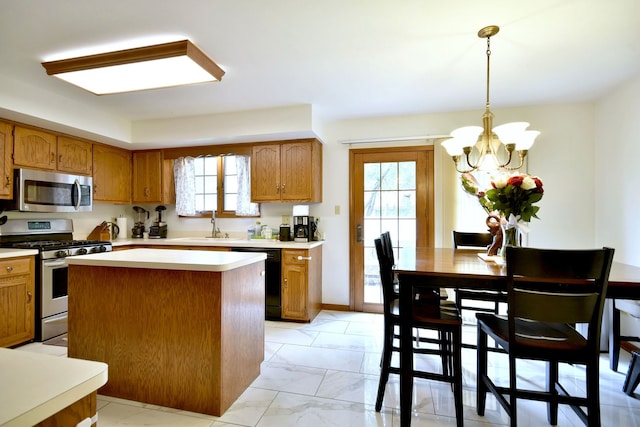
[
  {"x": 141, "y": 216},
  {"x": 304, "y": 228}
]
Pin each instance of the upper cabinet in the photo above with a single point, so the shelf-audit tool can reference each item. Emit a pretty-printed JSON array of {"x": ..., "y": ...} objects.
[
  {"x": 42, "y": 150},
  {"x": 287, "y": 171},
  {"x": 111, "y": 174},
  {"x": 6, "y": 161},
  {"x": 34, "y": 148},
  {"x": 147, "y": 177},
  {"x": 75, "y": 156}
]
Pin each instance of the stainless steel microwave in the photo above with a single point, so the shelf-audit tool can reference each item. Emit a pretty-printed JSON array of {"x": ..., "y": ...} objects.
[{"x": 40, "y": 191}]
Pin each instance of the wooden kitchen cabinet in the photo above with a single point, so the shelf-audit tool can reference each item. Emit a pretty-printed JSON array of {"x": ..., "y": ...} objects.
[
  {"x": 34, "y": 148},
  {"x": 301, "y": 283},
  {"x": 111, "y": 174},
  {"x": 74, "y": 156},
  {"x": 17, "y": 304},
  {"x": 6, "y": 161},
  {"x": 287, "y": 171},
  {"x": 147, "y": 177}
]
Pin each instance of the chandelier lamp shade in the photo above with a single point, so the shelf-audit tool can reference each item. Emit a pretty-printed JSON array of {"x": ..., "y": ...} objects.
[
  {"x": 486, "y": 147},
  {"x": 149, "y": 67}
]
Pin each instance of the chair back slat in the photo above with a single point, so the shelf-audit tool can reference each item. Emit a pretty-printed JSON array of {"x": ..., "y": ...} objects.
[
  {"x": 471, "y": 240},
  {"x": 387, "y": 245},
  {"x": 556, "y": 285},
  {"x": 386, "y": 274},
  {"x": 554, "y": 307}
]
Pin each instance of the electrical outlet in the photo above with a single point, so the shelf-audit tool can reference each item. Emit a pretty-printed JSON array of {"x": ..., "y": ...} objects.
[{"x": 336, "y": 209}]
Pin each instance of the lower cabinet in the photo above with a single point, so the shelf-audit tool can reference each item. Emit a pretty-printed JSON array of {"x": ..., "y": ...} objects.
[
  {"x": 301, "y": 283},
  {"x": 17, "y": 305}
]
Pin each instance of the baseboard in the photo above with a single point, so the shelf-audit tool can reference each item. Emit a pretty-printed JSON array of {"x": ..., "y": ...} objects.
[{"x": 335, "y": 307}]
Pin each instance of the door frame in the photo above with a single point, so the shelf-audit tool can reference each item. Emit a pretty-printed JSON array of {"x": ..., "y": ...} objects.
[{"x": 425, "y": 229}]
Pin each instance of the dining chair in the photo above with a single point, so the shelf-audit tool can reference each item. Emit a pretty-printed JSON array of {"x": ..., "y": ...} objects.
[
  {"x": 549, "y": 291},
  {"x": 492, "y": 299},
  {"x": 428, "y": 314},
  {"x": 618, "y": 341}
]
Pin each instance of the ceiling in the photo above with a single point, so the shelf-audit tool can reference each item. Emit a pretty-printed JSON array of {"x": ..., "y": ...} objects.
[{"x": 347, "y": 59}]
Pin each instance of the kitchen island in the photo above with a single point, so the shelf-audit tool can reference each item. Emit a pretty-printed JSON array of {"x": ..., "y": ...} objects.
[{"x": 182, "y": 329}]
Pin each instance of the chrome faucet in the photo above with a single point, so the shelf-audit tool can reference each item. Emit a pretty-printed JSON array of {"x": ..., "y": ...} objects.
[{"x": 215, "y": 232}]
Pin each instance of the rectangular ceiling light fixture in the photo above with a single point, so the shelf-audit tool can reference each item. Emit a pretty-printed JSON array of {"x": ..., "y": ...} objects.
[{"x": 150, "y": 67}]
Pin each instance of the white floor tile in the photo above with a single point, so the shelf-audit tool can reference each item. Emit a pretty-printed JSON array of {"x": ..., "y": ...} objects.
[{"x": 326, "y": 374}]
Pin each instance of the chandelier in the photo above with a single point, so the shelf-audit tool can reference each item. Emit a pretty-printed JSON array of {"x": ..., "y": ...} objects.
[{"x": 485, "y": 147}]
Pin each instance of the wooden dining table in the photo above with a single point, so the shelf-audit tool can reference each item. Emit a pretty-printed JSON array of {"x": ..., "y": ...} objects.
[{"x": 449, "y": 268}]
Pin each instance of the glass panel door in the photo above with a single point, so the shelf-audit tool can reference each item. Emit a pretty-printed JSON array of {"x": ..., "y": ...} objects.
[
  {"x": 390, "y": 205},
  {"x": 391, "y": 192}
]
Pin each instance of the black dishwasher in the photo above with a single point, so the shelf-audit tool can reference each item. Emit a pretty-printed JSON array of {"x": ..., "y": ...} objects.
[{"x": 273, "y": 293}]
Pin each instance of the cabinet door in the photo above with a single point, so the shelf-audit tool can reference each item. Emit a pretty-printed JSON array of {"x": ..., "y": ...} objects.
[
  {"x": 33, "y": 148},
  {"x": 16, "y": 301},
  {"x": 111, "y": 174},
  {"x": 295, "y": 161},
  {"x": 294, "y": 285},
  {"x": 6, "y": 161},
  {"x": 147, "y": 176},
  {"x": 265, "y": 173},
  {"x": 74, "y": 156}
]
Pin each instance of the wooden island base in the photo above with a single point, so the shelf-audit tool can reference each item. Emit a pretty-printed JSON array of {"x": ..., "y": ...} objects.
[{"x": 192, "y": 340}]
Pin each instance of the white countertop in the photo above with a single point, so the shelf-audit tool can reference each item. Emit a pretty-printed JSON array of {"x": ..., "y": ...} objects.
[
  {"x": 209, "y": 241},
  {"x": 35, "y": 386},
  {"x": 170, "y": 259},
  {"x": 11, "y": 253}
]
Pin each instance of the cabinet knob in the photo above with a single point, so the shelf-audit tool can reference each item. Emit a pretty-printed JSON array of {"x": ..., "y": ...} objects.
[
  {"x": 9, "y": 269},
  {"x": 285, "y": 282},
  {"x": 53, "y": 157},
  {"x": 29, "y": 296},
  {"x": 304, "y": 258},
  {"x": 283, "y": 187},
  {"x": 7, "y": 184}
]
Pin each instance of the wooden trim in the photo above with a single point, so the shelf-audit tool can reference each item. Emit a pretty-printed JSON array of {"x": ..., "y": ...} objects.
[
  {"x": 138, "y": 54},
  {"x": 336, "y": 307}
]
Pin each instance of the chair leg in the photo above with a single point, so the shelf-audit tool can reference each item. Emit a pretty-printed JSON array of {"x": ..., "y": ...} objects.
[
  {"x": 387, "y": 350},
  {"x": 632, "y": 379},
  {"x": 513, "y": 406},
  {"x": 614, "y": 340},
  {"x": 481, "y": 372},
  {"x": 593, "y": 393},
  {"x": 552, "y": 405},
  {"x": 457, "y": 373}
]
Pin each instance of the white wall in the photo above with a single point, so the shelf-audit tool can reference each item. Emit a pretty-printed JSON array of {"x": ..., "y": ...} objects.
[{"x": 617, "y": 172}]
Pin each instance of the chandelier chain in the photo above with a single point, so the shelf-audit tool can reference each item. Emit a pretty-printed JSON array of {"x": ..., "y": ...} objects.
[{"x": 488, "y": 68}]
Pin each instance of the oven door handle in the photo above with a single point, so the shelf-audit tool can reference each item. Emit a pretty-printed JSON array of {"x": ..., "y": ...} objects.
[{"x": 55, "y": 263}]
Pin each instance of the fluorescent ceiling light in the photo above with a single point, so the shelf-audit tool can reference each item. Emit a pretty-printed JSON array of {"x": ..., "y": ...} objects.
[{"x": 150, "y": 67}]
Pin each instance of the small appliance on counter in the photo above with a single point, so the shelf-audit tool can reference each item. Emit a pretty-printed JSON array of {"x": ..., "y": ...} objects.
[
  {"x": 285, "y": 233},
  {"x": 304, "y": 228},
  {"x": 140, "y": 216},
  {"x": 159, "y": 229}
]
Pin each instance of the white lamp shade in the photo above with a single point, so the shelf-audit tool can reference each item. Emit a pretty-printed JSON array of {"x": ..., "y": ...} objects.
[
  {"x": 452, "y": 146},
  {"x": 468, "y": 135},
  {"x": 510, "y": 133},
  {"x": 527, "y": 139}
]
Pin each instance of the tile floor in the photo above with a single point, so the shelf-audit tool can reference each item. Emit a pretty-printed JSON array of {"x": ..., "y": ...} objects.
[{"x": 326, "y": 374}]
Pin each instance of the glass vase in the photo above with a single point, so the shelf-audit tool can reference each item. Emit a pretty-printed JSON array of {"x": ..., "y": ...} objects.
[{"x": 510, "y": 237}]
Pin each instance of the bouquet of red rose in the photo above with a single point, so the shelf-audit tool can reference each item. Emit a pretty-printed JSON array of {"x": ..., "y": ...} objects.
[{"x": 515, "y": 195}]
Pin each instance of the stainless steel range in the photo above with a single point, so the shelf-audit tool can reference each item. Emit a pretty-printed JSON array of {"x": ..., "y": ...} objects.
[{"x": 53, "y": 238}]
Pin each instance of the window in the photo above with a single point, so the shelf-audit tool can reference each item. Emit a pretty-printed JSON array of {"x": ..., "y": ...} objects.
[{"x": 216, "y": 184}]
